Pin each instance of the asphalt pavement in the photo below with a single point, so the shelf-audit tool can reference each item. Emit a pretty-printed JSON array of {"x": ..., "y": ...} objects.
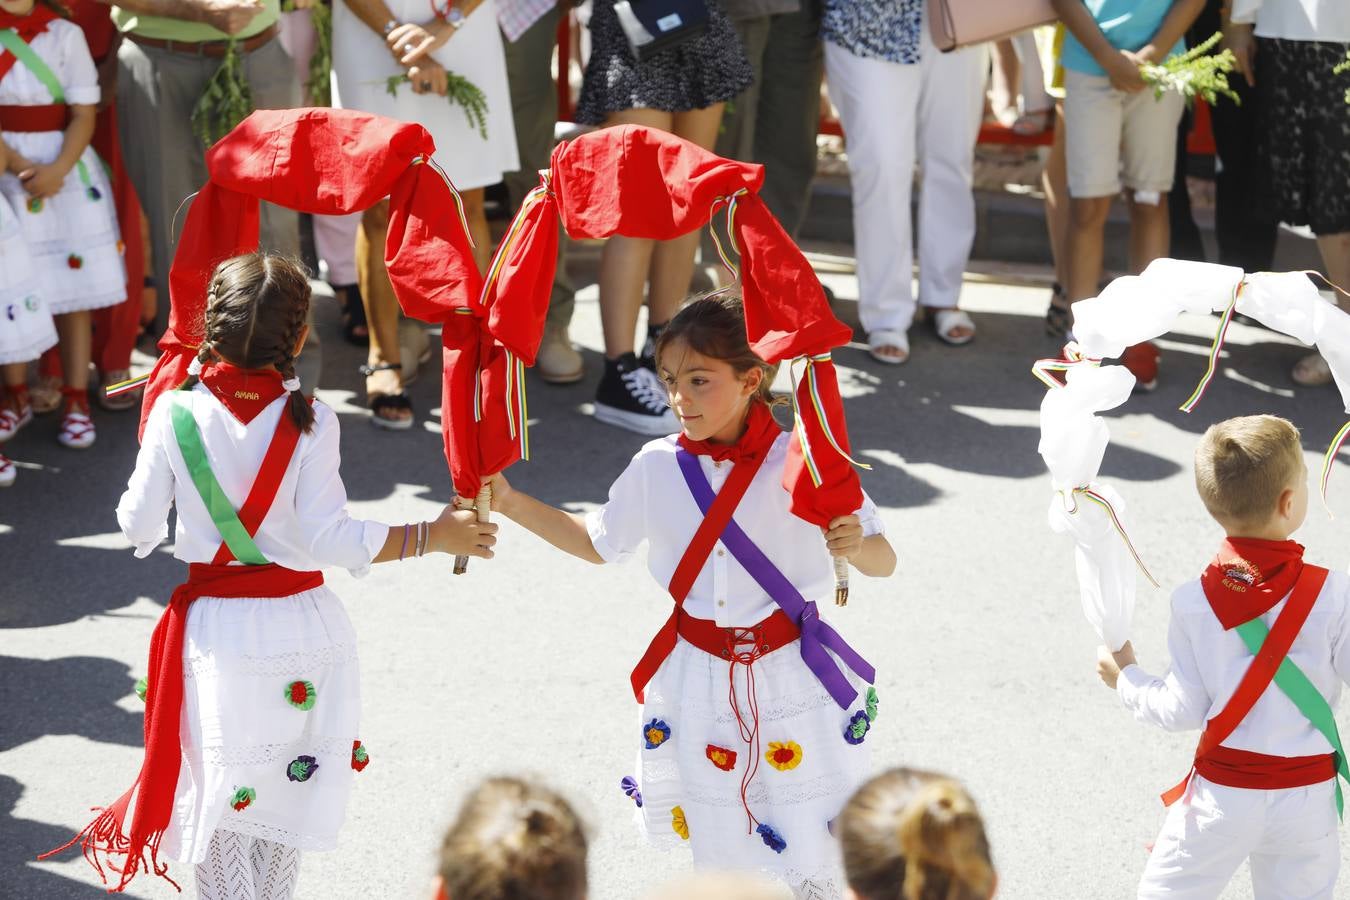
[{"x": 986, "y": 665}]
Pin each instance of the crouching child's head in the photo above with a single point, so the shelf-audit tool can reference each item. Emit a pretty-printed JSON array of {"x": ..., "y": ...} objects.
[
  {"x": 1252, "y": 478},
  {"x": 513, "y": 840}
]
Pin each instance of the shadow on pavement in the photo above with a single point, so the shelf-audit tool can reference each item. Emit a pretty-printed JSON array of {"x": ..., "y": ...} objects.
[
  {"x": 22, "y": 840},
  {"x": 71, "y": 695}
]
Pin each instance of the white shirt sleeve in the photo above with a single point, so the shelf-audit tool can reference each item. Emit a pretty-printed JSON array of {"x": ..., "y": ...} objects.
[
  {"x": 143, "y": 511},
  {"x": 870, "y": 517},
  {"x": 334, "y": 537},
  {"x": 79, "y": 77},
  {"x": 1178, "y": 701},
  {"x": 620, "y": 526}
]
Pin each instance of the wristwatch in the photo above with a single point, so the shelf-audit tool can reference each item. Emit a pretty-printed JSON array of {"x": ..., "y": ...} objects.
[{"x": 455, "y": 18}]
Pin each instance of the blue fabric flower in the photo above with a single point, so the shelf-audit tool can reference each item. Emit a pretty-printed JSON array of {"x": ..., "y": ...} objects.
[
  {"x": 857, "y": 729},
  {"x": 655, "y": 733},
  {"x": 772, "y": 839},
  {"x": 630, "y": 787}
]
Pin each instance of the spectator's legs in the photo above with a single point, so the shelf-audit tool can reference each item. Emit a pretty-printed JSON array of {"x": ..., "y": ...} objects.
[
  {"x": 1035, "y": 99},
  {"x": 534, "y": 108},
  {"x": 1094, "y": 116},
  {"x": 1150, "y": 231},
  {"x": 950, "y": 101},
  {"x": 1246, "y": 230},
  {"x": 788, "y": 113},
  {"x": 381, "y": 313},
  {"x": 878, "y": 104},
  {"x": 1055, "y": 183},
  {"x": 1184, "y": 241},
  {"x": 476, "y": 218},
  {"x": 1087, "y": 236}
]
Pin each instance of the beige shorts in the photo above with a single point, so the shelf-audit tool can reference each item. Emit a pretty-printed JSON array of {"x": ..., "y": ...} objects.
[{"x": 1114, "y": 139}]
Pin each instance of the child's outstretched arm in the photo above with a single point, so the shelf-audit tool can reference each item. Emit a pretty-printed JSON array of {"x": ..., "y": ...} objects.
[
  {"x": 1178, "y": 701},
  {"x": 456, "y": 533},
  {"x": 564, "y": 530},
  {"x": 871, "y": 555}
]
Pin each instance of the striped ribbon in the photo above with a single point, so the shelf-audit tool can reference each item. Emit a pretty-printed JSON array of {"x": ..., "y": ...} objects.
[
  {"x": 818, "y": 407},
  {"x": 730, "y": 202},
  {"x": 1224, "y": 321},
  {"x": 1330, "y": 458},
  {"x": 123, "y": 387},
  {"x": 1094, "y": 497},
  {"x": 459, "y": 202},
  {"x": 1073, "y": 357}
]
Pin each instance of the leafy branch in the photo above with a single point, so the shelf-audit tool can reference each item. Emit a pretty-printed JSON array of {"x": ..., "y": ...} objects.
[
  {"x": 1194, "y": 73},
  {"x": 458, "y": 90},
  {"x": 226, "y": 101}
]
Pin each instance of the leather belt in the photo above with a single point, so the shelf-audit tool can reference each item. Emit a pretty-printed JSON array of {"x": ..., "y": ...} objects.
[{"x": 213, "y": 49}]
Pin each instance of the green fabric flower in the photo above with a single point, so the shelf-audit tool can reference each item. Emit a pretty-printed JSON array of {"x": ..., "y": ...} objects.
[
  {"x": 142, "y": 686},
  {"x": 243, "y": 798},
  {"x": 872, "y": 703},
  {"x": 301, "y": 694}
]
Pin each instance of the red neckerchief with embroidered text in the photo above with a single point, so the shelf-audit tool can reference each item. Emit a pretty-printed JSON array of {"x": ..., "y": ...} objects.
[
  {"x": 244, "y": 392},
  {"x": 1248, "y": 576}
]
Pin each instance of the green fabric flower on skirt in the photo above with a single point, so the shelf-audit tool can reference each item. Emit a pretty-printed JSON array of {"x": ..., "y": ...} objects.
[
  {"x": 243, "y": 798},
  {"x": 141, "y": 687},
  {"x": 872, "y": 703},
  {"x": 301, "y": 694}
]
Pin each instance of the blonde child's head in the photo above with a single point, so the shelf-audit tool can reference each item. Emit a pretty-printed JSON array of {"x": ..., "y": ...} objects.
[
  {"x": 513, "y": 840},
  {"x": 257, "y": 308},
  {"x": 914, "y": 835},
  {"x": 1251, "y": 476}
]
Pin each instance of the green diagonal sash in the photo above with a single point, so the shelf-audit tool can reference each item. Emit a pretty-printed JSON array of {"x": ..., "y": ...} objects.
[
  {"x": 1305, "y": 695},
  {"x": 222, "y": 511},
  {"x": 10, "y": 40}
]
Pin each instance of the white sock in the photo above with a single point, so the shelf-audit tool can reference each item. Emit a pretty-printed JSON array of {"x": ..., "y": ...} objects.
[
  {"x": 276, "y": 869},
  {"x": 226, "y": 873}
]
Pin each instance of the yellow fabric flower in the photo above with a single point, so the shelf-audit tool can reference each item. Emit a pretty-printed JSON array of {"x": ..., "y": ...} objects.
[
  {"x": 678, "y": 823},
  {"x": 784, "y": 755}
]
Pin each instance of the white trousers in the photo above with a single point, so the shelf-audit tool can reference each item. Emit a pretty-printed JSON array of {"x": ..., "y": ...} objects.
[
  {"x": 1290, "y": 836},
  {"x": 894, "y": 115}
]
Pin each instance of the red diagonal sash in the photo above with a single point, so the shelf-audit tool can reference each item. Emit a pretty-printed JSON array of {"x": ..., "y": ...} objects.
[
  {"x": 1261, "y": 672},
  {"x": 695, "y": 555},
  {"x": 267, "y": 482}
]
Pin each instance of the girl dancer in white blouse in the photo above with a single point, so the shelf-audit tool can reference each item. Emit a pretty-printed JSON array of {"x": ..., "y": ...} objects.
[
  {"x": 254, "y": 654},
  {"x": 755, "y": 712}
]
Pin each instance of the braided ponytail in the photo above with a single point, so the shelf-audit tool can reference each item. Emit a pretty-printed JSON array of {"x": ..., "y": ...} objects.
[
  {"x": 256, "y": 309},
  {"x": 915, "y": 835}
]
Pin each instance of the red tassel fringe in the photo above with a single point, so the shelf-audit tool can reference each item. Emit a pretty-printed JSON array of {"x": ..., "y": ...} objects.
[{"x": 104, "y": 836}]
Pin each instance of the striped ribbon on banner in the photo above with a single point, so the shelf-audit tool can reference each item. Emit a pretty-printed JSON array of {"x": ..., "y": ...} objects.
[
  {"x": 1093, "y": 497},
  {"x": 1213, "y": 365},
  {"x": 818, "y": 408}
]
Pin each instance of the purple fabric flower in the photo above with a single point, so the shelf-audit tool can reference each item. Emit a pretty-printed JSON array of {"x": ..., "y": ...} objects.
[
  {"x": 630, "y": 787},
  {"x": 301, "y": 768},
  {"x": 857, "y": 729},
  {"x": 772, "y": 839},
  {"x": 655, "y": 733}
]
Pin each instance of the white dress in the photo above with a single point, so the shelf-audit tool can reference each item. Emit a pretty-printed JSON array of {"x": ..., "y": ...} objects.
[
  {"x": 362, "y": 64},
  {"x": 26, "y": 327},
  {"x": 686, "y": 796},
  {"x": 244, "y": 738},
  {"x": 73, "y": 237}
]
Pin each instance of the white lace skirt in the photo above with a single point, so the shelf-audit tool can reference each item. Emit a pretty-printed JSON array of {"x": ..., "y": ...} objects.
[
  {"x": 26, "y": 327},
  {"x": 690, "y": 783},
  {"x": 270, "y": 714}
]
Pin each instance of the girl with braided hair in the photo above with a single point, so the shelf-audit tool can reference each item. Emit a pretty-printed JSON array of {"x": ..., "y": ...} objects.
[
  {"x": 913, "y": 835},
  {"x": 254, "y": 655}
]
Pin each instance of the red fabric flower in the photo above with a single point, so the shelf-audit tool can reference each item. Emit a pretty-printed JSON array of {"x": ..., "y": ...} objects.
[
  {"x": 75, "y": 261},
  {"x": 360, "y": 758},
  {"x": 721, "y": 757}
]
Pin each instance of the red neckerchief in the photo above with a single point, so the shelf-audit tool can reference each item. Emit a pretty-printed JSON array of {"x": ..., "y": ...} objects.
[
  {"x": 245, "y": 392},
  {"x": 1249, "y": 576},
  {"x": 28, "y": 27},
  {"x": 760, "y": 432}
]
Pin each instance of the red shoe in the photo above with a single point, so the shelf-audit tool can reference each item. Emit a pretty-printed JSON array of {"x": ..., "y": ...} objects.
[{"x": 1142, "y": 361}]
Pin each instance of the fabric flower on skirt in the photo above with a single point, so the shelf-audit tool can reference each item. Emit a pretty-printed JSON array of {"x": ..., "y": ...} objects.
[
  {"x": 243, "y": 798},
  {"x": 678, "y": 823},
  {"x": 655, "y": 733},
  {"x": 301, "y": 694},
  {"x": 75, "y": 261},
  {"x": 857, "y": 729},
  {"x": 302, "y": 768},
  {"x": 630, "y": 787},
  {"x": 871, "y": 703},
  {"x": 360, "y": 758},
  {"x": 142, "y": 685},
  {"x": 772, "y": 839},
  {"x": 721, "y": 757},
  {"x": 784, "y": 755}
]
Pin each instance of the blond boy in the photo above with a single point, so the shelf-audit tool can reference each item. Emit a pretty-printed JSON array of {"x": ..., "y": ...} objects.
[{"x": 1264, "y": 784}]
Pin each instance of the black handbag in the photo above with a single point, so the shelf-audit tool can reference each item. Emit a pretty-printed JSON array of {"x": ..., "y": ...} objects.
[{"x": 652, "y": 26}]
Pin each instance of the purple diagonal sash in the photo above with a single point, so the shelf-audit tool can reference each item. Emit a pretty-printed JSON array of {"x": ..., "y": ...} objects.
[{"x": 817, "y": 635}]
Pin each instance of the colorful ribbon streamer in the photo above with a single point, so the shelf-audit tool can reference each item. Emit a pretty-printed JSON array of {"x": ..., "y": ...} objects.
[
  {"x": 808, "y": 454},
  {"x": 1330, "y": 458},
  {"x": 1072, "y": 358},
  {"x": 1094, "y": 497},
  {"x": 730, "y": 203},
  {"x": 1214, "y": 349}
]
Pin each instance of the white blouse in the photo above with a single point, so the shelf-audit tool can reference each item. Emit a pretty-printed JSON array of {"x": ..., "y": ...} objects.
[
  {"x": 1208, "y": 662},
  {"x": 1296, "y": 20},
  {"x": 650, "y": 502},
  {"x": 62, "y": 47},
  {"x": 307, "y": 526}
]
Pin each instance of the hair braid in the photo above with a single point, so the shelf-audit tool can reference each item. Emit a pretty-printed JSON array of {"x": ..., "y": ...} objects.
[{"x": 301, "y": 411}]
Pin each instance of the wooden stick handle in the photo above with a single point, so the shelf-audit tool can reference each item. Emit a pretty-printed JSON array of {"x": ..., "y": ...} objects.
[
  {"x": 483, "y": 504},
  {"x": 840, "y": 581}
]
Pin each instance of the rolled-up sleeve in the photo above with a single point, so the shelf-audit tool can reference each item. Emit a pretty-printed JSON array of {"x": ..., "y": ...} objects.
[
  {"x": 335, "y": 538},
  {"x": 143, "y": 511},
  {"x": 619, "y": 527},
  {"x": 79, "y": 76},
  {"x": 1178, "y": 701},
  {"x": 870, "y": 518}
]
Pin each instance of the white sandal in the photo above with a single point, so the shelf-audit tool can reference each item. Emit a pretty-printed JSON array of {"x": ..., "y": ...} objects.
[
  {"x": 947, "y": 320},
  {"x": 8, "y": 471},
  {"x": 77, "y": 430},
  {"x": 886, "y": 338},
  {"x": 11, "y": 421}
]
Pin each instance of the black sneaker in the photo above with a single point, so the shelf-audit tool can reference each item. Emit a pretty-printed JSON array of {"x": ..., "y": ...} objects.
[
  {"x": 632, "y": 397},
  {"x": 648, "y": 356}
]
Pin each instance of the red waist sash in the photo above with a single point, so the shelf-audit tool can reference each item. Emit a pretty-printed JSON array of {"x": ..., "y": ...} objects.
[
  {"x": 1258, "y": 771},
  {"x": 738, "y": 643},
  {"x": 51, "y": 117},
  {"x": 158, "y": 779}
]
